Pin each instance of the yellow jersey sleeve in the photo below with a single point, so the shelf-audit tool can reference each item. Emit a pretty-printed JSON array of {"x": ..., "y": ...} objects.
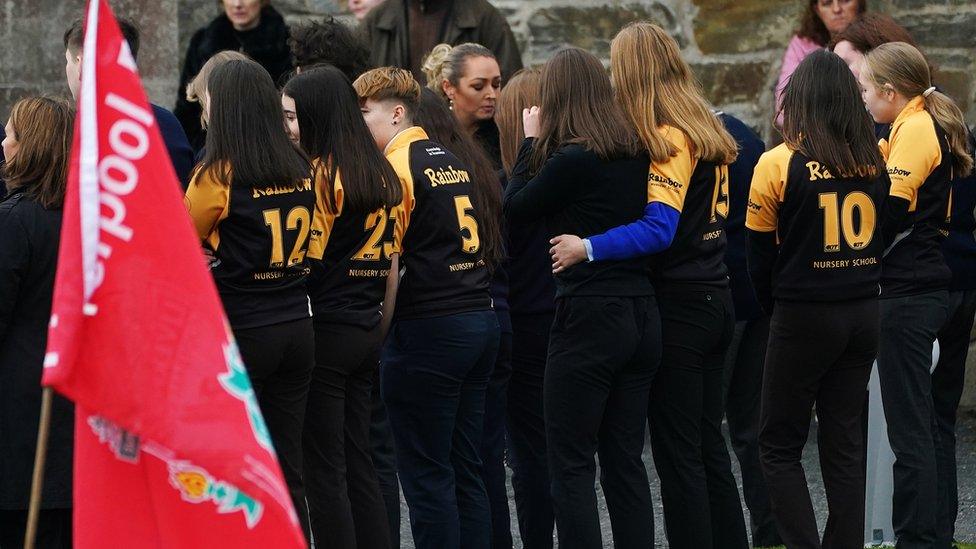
[
  {"x": 400, "y": 161},
  {"x": 667, "y": 182},
  {"x": 208, "y": 202},
  {"x": 323, "y": 220},
  {"x": 911, "y": 155},
  {"x": 767, "y": 189}
]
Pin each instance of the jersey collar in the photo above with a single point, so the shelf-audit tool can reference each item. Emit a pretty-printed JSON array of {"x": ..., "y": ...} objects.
[
  {"x": 404, "y": 138},
  {"x": 916, "y": 104}
]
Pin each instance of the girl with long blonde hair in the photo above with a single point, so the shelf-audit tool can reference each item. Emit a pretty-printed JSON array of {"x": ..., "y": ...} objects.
[
  {"x": 683, "y": 227},
  {"x": 925, "y": 148}
]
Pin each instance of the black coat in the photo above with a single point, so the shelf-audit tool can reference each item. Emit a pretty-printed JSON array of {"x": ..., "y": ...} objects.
[
  {"x": 29, "y": 236},
  {"x": 751, "y": 148},
  {"x": 267, "y": 44}
]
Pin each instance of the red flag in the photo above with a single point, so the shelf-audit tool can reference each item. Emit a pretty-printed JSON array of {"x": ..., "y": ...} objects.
[{"x": 171, "y": 448}]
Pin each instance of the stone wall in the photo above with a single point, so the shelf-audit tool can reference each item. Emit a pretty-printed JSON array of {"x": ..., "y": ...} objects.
[{"x": 735, "y": 46}]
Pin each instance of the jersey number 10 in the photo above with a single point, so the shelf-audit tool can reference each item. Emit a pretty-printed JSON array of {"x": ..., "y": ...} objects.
[{"x": 837, "y": 222}]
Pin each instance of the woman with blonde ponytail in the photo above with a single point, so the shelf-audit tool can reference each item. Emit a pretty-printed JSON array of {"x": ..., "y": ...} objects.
[
  {"x": 468, "y": 78},
  {"x": 683, "y": 226},
  {"x": 924, "y": 150}
]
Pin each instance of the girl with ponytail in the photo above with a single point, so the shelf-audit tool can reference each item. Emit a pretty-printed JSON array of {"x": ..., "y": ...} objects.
[{"x": 924, "y": 149}]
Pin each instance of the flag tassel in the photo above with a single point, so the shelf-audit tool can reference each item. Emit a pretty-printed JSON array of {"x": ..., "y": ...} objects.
[{"x": 37, "y": 482}]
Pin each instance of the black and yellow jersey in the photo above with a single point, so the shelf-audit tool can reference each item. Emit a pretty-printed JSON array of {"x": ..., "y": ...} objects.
[
  {"x": 436, "y": 231},
  {"x": 259, "y": 236},
  {"x": 829, "y": 240},
  {"x": 349, "y": 255},
  {"x": 699, "y": 191},
  {"x": 919, "y": 160}
]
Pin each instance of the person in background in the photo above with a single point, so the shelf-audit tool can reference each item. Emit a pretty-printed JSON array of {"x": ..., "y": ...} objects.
[
  {"x": 925, "y": 147},
  {"x": 3, "y": 187},
  {"x": 360, "y": 8},
  {"x": 251, "y": 202},
  {"x": 582, "y": 170},
  {"x": 328, "y": 42},
  {"x": 180, "y": 153},
  {"x": 252, "y": 27},
  {"x": 399, "y": 33},
  {"x": 442, "y": 345},
  {"x": 747, "y": 352},
  {"x": 356, "y": 188},
  {"x": 948, "y": 379},
  {"x": 468, "y": 78},
  {"x": 531, "y": 300},
  {"x": 863, "y": 35},
  {"x": 442, "y": 127},
  {"x": 37, "y": 147},
  {"x": 820, "y": 21},
  {"x": 815, "y": 251},
  {"x": 196, "y": 90}
]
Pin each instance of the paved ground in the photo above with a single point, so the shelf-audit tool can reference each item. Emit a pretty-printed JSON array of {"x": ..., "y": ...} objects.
[{"x": 965, "y": 526}]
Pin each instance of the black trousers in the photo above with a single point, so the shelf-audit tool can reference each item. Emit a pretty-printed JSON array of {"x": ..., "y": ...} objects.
[
  {"x": 909, "y": 326},
  {"x": 947, "y": 383},
  {"x": 492, "y": 448},
  {"x": 527, "y": 430},
  {"x": 383, "y": 452},
  {"x": 603, "y": 353},
  {"x": 279, "y": 359},
  {"x": 345, "y": 505},
  {"x": 53, "y": 529},
  {"x": 743, "y": 389},
  {"x": 819, "y": 354},
  {"x": 700, "y": 496}
]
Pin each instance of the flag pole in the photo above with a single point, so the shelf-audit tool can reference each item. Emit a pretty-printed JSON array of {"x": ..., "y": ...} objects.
[{"x": 37, "y": 482}]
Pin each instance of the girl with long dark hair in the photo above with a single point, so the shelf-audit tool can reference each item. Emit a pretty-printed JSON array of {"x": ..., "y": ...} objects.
[
  {"x": 251, "y": 201},
  {"x": 442, "y": 345},
  {"x": 357, "y": 189},
  {"x": 815, "y": 247},
  {"x": 590, "y": 174}
]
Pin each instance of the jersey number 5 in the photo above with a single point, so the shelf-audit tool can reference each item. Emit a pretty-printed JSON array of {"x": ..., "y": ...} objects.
[
  {"x": 466, "y": 222},
  {"x": 836, "y": 222},
  {"x": 299, "y": 219}
]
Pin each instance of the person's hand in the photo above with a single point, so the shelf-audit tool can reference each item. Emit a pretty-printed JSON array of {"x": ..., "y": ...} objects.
[
  {"x": 210, "y": 258},
  {"x": 567, "y": 250},
  {"x": 530, "y": 122}
]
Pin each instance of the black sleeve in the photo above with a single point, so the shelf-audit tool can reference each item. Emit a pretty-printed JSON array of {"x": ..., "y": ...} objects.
[
  {"x": 551, "y": 190},
  {"x": 14, "y": 258},
  {"x": 761, "y": 254},
  {"x": 894, "y": 218}
]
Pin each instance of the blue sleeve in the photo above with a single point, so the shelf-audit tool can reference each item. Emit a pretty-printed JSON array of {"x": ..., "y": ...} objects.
[
  {"x": 177, "y": 145},
  {"x": 648, "y": 235}
]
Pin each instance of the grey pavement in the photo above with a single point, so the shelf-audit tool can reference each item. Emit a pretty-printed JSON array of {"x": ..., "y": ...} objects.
[{"x": 965, "y": 525}]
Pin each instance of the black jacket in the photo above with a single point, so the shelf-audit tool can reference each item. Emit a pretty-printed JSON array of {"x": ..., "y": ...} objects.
[
  {"x": 384, "y": 30},
  {"x": 751, "y": 148},
  {"x": 29, "y": 236},
  {"x": 267, "y": 44}
]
